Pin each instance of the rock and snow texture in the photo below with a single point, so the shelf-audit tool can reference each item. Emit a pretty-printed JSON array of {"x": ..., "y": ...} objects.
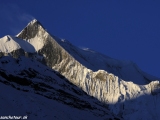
[
  {"x": 95, "y": 61},
  {"x": 31, "y": 88},
  {"x": 136, "y": 99},
  {"x": 37, "y": 34},
  {"x": 33, "y": 44}
]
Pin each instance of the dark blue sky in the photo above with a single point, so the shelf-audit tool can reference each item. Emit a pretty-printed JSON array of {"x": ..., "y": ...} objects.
[{"x": 122, "y": 29}]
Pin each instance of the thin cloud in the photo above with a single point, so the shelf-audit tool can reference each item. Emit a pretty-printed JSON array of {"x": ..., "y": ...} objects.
[
  {"x": 13, "y": 18},
  {"x": 26, "y": 17}
]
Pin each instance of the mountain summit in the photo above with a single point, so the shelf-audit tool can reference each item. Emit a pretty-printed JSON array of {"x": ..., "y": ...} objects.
[
  {"x": 36, "y": 34},
  {"x": 125, "y": 91},
  {"x": 30, "y": 30}
]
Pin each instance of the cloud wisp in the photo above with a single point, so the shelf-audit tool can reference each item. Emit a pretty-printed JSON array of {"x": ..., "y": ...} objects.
[{"x": 13, "y": 18}]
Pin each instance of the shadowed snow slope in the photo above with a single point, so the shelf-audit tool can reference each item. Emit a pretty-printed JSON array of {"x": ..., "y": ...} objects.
[
  {"x": 31, "y": 88},
  {"x": 129, "y": 92}
]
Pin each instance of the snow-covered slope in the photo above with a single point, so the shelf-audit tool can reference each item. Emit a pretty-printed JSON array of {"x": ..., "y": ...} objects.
[
  {"x": 9, "y": 44},
  {"x": 129, "y": 92},
  {"x": 32, "y": 89}
]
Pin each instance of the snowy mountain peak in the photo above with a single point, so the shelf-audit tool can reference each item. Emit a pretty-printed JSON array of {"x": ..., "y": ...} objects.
[
  {"x": 30, "y": 39},
  {"x": 9, "y": 44},
  {"x": 7, "y": 37},
  {"x": 31, "y": 28},
  {"x": 35, "y": 34},
  {"x": 33, "y": 21},
  {"x": 121, "y": 85}
]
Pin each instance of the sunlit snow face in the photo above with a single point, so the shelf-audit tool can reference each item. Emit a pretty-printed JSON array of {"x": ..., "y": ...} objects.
[{"x": 9, "y": 44}]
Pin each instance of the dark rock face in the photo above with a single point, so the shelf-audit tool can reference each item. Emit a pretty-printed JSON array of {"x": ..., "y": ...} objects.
[
  {"x": 30, "y": 31},
  {"x": 14, "y": 54},
  {"x": 53, "y": 52},
  {"x": 17, "y": 53}
]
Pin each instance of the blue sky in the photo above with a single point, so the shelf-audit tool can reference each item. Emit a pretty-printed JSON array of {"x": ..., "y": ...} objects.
[{"x": 122, "y": 29}]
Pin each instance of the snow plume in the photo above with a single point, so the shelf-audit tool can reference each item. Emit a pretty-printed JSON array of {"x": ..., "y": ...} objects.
[
  {"x": 26, "y": 17},
  {"x": 87, "y": 49},
  {"x": 14, "y": 18},
  {"x": 83, "y": 48}
]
